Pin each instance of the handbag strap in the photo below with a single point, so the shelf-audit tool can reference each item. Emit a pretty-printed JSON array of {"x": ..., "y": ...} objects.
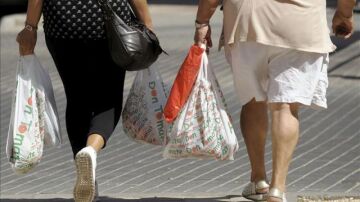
[{"x": 109, "y": 12}]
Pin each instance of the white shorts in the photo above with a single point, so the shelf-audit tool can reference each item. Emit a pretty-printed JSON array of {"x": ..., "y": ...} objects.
[{"x": 278, "y": 75}]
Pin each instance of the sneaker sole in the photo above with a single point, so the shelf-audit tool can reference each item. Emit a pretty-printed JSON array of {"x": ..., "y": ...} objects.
[{"x": 84, "y": 190}]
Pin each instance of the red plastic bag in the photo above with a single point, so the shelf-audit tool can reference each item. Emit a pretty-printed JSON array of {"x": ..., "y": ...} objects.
[{"x": 183, "y": 83}]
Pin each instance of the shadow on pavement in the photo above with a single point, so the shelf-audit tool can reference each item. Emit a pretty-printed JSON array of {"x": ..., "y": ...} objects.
[
  {"x": 345, "y": 77},
  {"x": 106, "y": 199},
  {"x": 342, "y": 43}
]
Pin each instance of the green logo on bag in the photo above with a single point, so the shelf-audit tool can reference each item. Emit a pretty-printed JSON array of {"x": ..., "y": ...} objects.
[
  {"x": 225, "y": 150},
  {"x": 18, "y": 141},
  {"x": 23, "y": 128},
  {"x": 19, "y": 138}
]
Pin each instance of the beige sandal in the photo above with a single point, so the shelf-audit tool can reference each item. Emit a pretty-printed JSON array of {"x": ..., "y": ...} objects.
[
  {"x": 251, "y": 191},
  {"x": 276, "y": 193}
]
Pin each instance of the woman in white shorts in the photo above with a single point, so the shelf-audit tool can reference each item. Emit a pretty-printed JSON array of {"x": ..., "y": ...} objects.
[{"x": 278, "y": 51}]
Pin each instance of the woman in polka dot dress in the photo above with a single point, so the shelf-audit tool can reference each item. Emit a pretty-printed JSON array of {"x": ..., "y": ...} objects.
[{"x": 76, "y": 39}]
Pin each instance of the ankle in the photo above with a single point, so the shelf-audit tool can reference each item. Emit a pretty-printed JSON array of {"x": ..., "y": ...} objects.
[{"x": 255, "y": 177}]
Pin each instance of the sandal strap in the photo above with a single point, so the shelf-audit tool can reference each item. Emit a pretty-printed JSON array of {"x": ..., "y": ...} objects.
[
  {"x": 252, "y": 187},
  {"x": 262, "y": 184},
  {"x": 274, "y": 192}
]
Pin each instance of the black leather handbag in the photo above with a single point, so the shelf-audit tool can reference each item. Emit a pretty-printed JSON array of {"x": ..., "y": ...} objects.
[{"x": 132, "y": 46}]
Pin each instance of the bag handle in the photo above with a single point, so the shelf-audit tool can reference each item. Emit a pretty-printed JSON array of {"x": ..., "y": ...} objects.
[{"x": 109, "y": 12}]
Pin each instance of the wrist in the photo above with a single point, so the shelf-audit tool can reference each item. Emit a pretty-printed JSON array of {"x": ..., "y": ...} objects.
[
  {"x": 30, "y": 27},
  {"x": 201, "y": 24},
  {"x": 345, "y": 14}
]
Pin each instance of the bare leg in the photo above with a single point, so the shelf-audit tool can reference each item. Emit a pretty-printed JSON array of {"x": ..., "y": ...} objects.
[
  {"x": 96, "y": 141},
  {"x": 285, "y": 135},
  {"x": 254, "y": 124}
]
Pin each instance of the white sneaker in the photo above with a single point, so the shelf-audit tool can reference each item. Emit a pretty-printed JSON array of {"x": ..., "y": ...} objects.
[
  {"x": 251, "y": 191},
  {"x": 85, "y": 160}
]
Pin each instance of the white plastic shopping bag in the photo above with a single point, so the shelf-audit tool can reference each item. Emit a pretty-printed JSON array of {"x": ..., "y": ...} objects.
[
  {"x": 34, "y": 119},
  {"x": 142, "y": 116},
  {"x": 203, "y": 128}
]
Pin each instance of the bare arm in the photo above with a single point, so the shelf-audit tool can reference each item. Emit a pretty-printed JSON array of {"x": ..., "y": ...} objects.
[
  {"x": 205, "y": 11},
  {"x": 345, "y": 7},
  {"x": 28, "y": 36},
  {"x": 141, "y": 10},
  {"x": 343, "y": 21},
  {"x": 34, "y": 12}
]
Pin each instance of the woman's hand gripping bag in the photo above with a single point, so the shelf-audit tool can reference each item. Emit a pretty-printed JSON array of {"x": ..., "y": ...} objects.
[
  {"x": 203, "y": 128},
  {"x": 34, "y": 118},
  {"x": 142, "y": 117}
]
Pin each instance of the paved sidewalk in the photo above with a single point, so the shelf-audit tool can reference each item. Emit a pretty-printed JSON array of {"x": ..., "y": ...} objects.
[{"x": 326, "y": 160}]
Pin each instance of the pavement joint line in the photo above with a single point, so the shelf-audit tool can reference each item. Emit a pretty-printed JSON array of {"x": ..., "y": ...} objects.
[
  {"x": 129, "y": 144},
  {"x": 119, "y": 162},
  {"x": 318, "y": 135},
  {"x": 53, "y": 160},
  {"x": 331, "y": 102},
  {"x": 328, "y": 140},
  {"x": 203, "y": 165},
  {"x": 314, "y": 113},
  {"x": 31, "y": 181},
  {"x": 102, "y": 167},
  {"x": 333, "y": 137},
  {"x": 164, "y": 165},
  {"x": 267, "y": 162},
  {"x": 244, "y": 174},
  {"x": 34, "y": 173},
  {"x": 159, "y": 185},
  {"x": 68, "y": 168},
  {"x": 244, "y": 155},
  {"x": 204, "y": 173},
  {"x": 163, "y": 174},
  {"x": 130, "y": 157},
  {"x": 241, "y": 175},
  {"x": 327, "y": 116},
  {"x": 112, "y": 178},
  {"x": 322, "y": 178},
  {"x": 269, "y": 172},
  {"x": 70, "y": 173},
  {"x": 343, "y": 55},
  {"x": 210, "y": 162},
  {"x": 267, "y": 153},
  {"x": 347, "y": 71},
  {"x": 138, "y": 168},
  {"x": 323, "y": 154},
  {"x": 217, "y": 177},
  {"x": 330, "y": 173},
  {"x": 57, "y": 151},
  {"x": 353, "y": 188},
  {"x": 344, "y": 178},
  {"x": 224, "y": 165},
  {"x": 339, "y": 85}
]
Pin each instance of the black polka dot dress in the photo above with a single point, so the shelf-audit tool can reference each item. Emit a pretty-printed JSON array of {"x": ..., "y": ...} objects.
[{"x": 79, "y": 19}]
